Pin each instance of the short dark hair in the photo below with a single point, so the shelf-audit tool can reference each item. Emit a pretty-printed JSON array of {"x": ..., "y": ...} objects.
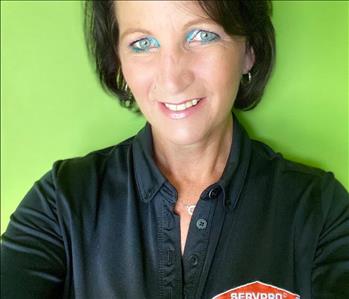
[{"x": 248, "y": 18}]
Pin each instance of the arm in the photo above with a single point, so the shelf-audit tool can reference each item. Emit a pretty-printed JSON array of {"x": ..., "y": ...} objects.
[
  {"x": 330, "y": 276},
  {"x": 32, "y": 251}
]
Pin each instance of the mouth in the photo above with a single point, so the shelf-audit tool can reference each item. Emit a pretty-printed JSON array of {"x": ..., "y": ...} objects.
[{"x": 182, "y": 106}]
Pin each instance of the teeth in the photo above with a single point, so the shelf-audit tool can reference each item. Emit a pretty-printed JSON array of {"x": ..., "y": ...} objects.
[
  {"x": 171, "y": 107},
  {"x": 188, "y": 104},
  {"x": 183, "y": 106}
]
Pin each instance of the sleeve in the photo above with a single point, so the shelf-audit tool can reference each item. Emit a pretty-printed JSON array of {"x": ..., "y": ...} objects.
[
  {"x": 330, "y": 275},
  {"x": 32, "y": 249}
]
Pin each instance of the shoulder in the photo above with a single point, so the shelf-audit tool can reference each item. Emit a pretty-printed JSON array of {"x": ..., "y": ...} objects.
[
  {"x": 276, "y": 164},
  {"x": 93, "y": 163},
  {"x": 76, "y": 184},
  {"x": 293, "y": 181}
]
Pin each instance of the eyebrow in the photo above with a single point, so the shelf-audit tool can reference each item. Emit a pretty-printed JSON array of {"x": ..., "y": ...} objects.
[{"x": 186, "y": 25}]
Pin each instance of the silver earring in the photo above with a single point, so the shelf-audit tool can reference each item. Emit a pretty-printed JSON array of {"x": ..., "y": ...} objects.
[
  {"x": 129, "y": 95},
  {"x": 249, "y": 77},
  {"x": 119, "y": 79},
  {"x": 246, "y": 81}
]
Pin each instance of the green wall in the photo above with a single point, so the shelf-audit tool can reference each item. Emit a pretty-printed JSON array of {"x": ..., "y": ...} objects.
[{"x": 54, "y": 108}]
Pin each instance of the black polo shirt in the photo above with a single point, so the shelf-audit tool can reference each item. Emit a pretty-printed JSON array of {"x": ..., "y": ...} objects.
[{"x": 103, "y": 226}]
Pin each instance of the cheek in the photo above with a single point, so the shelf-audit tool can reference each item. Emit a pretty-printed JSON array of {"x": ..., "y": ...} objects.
[
  {"x": 138, "y": 76},
  {"x": 220, "y": 70}
]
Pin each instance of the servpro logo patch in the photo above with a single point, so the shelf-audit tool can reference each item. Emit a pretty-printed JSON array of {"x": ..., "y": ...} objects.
[{"x": 256, "y": 290}]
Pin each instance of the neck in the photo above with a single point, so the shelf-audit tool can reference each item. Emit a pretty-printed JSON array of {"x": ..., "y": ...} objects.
[{"x": 198, "y": 164}]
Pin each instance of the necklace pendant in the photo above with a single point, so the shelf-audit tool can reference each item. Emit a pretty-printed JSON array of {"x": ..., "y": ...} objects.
[{"x": 190, "y": 209}]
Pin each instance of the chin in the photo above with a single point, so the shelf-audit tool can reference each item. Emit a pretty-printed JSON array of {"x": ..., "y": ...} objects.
[{"x": 185, "y": 136}]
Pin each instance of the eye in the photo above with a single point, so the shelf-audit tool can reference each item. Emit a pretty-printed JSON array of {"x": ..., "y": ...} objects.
[
  {"x": 202, "y": 36},
  {"x": 144, "y": 44}
]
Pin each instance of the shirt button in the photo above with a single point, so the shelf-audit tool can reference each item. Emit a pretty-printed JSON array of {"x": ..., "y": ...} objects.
[
  {"x": 213, "y": 193},
  {"x": 201, "y": 223},
  {"x": 194, "y": 260}
]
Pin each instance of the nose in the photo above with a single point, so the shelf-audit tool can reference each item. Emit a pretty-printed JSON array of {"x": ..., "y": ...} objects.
[{"x": 174, "y": 74}]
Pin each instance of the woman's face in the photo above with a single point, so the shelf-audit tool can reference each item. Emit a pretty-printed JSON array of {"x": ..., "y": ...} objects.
[{"x": 182, "y": 68}]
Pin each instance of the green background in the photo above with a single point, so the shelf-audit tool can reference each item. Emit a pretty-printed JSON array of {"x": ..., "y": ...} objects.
[{"x": 54, "y": 108}]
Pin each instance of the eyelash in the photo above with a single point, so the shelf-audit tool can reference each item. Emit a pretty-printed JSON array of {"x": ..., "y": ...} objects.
[
  {"x": 192, "y": 34},
  {"x": 190, "y": 37},
  {"x": 152, "y": 41}
]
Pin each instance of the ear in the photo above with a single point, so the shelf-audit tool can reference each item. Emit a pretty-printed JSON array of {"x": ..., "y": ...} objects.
[{"x": 249, "y": 58}]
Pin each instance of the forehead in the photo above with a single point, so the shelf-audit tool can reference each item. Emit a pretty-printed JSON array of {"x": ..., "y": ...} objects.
[{"x": 158, "y": 13}]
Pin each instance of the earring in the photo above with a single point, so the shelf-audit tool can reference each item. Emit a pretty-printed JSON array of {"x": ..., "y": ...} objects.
[
  {"x": 245, "y": 81},
  {"x": 129, "y": 95},
  {"x": 249, "y": 77}
]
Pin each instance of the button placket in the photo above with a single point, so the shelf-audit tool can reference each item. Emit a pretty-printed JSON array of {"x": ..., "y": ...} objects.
[
  {"x": 170, "y": 257},
  {"x": 199, "y": 232},
  {"x": 170, "y": 266}
]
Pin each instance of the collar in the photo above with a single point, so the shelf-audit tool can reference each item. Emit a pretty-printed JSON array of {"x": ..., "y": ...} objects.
[{"x": 149, "y": 179}]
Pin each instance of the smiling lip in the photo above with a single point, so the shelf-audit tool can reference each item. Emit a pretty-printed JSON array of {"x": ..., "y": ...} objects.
[{"x": 181, "y": 113}]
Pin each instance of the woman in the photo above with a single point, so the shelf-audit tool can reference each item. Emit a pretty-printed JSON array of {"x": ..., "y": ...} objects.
[{"x": 190, "y": 207}]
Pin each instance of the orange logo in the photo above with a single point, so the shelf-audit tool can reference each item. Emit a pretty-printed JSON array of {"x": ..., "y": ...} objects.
[{"x": 256, "y": 290}]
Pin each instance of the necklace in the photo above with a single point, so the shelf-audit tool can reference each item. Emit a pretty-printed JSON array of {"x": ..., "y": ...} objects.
[{"x": 189, "y": 207}]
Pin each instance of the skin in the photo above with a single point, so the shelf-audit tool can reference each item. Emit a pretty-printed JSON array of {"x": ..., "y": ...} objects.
[{"x": 192, "y": 151}]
